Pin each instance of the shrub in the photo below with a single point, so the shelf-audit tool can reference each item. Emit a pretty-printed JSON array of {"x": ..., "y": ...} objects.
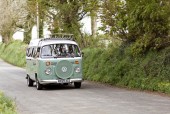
[
  {"x": 13, "y": 53},
  {"x": 7, "y": 106},
  {"x": 117, "y": 66}
]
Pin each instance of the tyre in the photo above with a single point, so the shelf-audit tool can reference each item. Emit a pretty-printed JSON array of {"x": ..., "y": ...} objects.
[
  {"x": 77, "y": 84},
  {"x": 38, "y": 85},
  {"x": 65, "y": 84},
  {"x": 29, "y": 82}
]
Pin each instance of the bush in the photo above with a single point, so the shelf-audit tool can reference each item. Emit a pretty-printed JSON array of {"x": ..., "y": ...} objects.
[
  {"x": 148, "y": 25},
  {"x": 117, "y": 66},
  {"x": 14, "y": 53},
  {"x": 7, "y": 106}
]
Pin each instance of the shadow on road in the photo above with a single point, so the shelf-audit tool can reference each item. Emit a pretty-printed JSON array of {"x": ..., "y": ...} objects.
[{"x": 63, "y": 87}]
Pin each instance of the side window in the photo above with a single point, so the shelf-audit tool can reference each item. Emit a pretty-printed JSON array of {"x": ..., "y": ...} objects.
[
  {"x": 76, "y": 51},
  {"x": 30, "y": 52},
  {"x": 27, "y": 52},
  {"x": 38, "y": 52},
  {"x": 46, "y": 50},
  {"x": 34, "y": 52}
]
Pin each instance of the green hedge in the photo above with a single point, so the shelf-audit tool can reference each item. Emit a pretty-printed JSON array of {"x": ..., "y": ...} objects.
[
  {"x": 117, "y": 66},
  {"x": 14, "y": 53},
  {"x": 7, "y": 106}
]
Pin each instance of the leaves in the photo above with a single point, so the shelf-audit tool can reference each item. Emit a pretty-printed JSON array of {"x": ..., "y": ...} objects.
[
  {"x": 148, "y": 23},
  {"x": 12, "y": 17},
  {"x": 114, "y": 18}
]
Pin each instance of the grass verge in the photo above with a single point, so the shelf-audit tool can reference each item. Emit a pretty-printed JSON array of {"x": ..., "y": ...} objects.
[
  {"x": 7, "y": 106},
  {"x": 13, "y": 53}
]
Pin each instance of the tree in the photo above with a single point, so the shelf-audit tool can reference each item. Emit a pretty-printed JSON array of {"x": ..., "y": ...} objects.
[
  {"x": 145, "y": 23},
  {"x": 94, "y": 10},
  {"x": 32, "y": 7},
  {"x": 65, "y": 16},
  {"x": 114, "y": 18},
  {"x": 12, "y": 16},
  {"x": 148, "y": 24}
]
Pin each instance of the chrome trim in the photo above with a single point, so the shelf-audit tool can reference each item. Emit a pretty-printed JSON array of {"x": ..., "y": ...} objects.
[{"x": 56, "y": 81}]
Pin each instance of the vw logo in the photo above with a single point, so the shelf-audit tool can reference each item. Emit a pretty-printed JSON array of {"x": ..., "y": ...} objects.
[{"x": 64, "y": 69}]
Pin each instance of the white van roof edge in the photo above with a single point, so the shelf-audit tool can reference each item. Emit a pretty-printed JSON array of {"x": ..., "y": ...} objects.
[{"x": 46, "y": 41}]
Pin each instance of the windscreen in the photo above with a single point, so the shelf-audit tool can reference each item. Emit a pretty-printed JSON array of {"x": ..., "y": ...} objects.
[{"x": 60, "y": 51}]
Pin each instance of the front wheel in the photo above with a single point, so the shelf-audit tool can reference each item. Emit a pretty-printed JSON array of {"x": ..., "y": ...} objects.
[
  {"x": 38, "y": 85},
  {"x": 77, "y": 84},
  {"x": 29, "y": 82}
]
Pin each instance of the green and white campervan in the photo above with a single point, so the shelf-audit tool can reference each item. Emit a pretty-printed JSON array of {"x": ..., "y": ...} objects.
[{"x": 55, "y": 60}]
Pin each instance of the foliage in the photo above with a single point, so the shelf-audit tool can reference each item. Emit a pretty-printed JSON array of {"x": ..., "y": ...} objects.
[
  {"x": 64, "y": 16},
  {"x": 12, "y": 18},
  {"x": 114, "y": 18},
  {"x": 7, "y": 106},
  {"x": 148, "y": 24},
  {"x": 15, "y": 56},
  {"x": 117, "y": 66},
  {"x": 32, "y": 7},
  {"x": 145, "y": 23}
]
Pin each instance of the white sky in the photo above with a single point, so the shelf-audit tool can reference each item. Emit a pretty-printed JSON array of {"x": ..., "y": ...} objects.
[
  {"x": 19, "y": 35},
  {"x": 86, "y": 25}
]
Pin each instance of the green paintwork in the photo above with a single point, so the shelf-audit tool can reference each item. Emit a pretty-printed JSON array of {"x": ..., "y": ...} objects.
[
  {"x": 56, "y": 66},
  {"x": 64, "y": 57}
]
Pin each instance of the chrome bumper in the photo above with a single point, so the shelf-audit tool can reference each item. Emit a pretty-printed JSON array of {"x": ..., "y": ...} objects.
[{"x": 57, "y": 81}]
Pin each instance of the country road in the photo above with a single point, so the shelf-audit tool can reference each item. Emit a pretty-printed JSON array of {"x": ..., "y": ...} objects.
[{"x": 92, "y": 98}]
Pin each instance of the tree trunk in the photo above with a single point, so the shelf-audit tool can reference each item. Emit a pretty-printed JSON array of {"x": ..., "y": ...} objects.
[
  {"x": 93, "y": 23},
  {"x": 6, "y": 39},
  {"x": 27, "y": 36}
]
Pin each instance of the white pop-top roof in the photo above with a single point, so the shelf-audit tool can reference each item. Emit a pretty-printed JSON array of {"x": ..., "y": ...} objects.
[{"x": 42, "y": 42}]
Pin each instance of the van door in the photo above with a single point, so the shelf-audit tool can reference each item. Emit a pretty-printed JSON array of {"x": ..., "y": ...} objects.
[
  {"x": 33, "y": 63},
  {"x": 28, "y": 61}
]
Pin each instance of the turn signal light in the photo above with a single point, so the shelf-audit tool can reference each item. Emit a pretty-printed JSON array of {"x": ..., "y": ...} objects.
[
  {"x": 76, "y": 62},
  {"x": 48, "y": 63}
]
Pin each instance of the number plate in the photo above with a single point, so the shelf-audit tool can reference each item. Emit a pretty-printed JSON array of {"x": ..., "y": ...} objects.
[{"x": 63, "y": 81}]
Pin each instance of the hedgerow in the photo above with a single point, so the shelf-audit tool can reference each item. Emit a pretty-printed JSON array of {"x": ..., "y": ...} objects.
[
  {"x": 7, "y": 106},
  {"x": 119, "y": 67}
]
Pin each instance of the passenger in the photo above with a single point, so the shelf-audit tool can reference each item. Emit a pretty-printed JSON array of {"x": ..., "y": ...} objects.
[
  {"x": 56, "y": 51},
  {"x": 70, "y": 51},
  {"x": 63, "y": 51}
]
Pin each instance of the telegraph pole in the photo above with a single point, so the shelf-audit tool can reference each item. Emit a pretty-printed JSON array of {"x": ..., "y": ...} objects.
[{"x": 38, "y": 21}]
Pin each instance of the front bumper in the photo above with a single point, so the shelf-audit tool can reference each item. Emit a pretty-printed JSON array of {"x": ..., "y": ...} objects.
[{"x": 57, "y": 81}]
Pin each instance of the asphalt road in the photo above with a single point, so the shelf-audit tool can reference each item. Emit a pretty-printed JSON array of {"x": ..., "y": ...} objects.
[{"x": 92, "y": 98}]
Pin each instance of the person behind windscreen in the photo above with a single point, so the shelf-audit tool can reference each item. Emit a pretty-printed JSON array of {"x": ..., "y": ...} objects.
[
  {"x": 63, "y": 50},
  {"x": 70, "y": 51}
]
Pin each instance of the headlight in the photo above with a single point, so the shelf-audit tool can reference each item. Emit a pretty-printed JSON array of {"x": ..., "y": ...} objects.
[
  {"x": 77, "y": 69},
  {"x": 48, "y": 71}
]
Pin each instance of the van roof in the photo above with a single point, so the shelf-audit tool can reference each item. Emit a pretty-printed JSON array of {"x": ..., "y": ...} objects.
[{"x": 47, "y": 41}]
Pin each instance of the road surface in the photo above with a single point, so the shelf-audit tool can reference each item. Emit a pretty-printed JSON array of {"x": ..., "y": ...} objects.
[{"x": 92, "y": 98}]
